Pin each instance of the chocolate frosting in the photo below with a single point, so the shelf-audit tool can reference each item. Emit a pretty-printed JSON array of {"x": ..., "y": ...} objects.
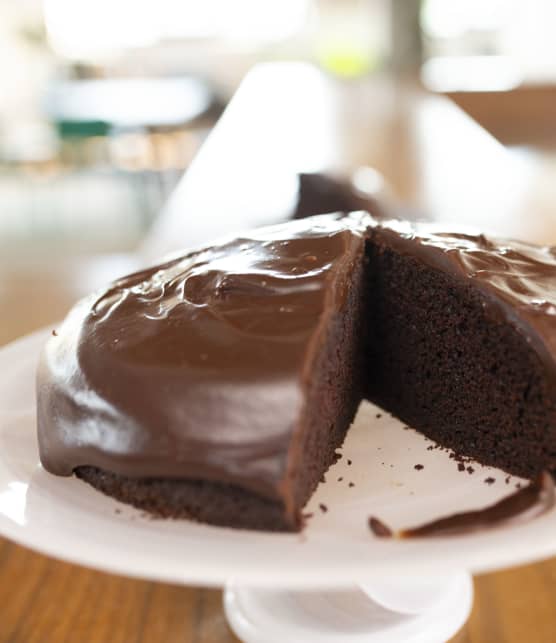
[
  {"x": 534, "y": 500},
  {"x": 200, "y": 366},
  {"x": 197, "y": 367}
]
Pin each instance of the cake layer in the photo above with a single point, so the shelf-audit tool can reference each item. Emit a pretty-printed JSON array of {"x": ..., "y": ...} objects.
[
  {"x": 217, "y": 503},
  {"x": 462, "y": 342},
  {"x": 517, "y": 279}
]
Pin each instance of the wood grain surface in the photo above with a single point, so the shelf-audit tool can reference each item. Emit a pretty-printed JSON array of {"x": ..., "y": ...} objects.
[{"x": 47, "y": 601}]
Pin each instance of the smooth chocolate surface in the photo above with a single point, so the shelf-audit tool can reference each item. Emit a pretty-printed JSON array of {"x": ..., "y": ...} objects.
[{"x": 198, "y": 367}]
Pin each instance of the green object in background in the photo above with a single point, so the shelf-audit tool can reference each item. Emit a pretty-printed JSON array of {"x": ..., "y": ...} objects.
[
  {"x": 81, "y": 129},
  {"x": 350, "y": 36},
  {"x": 346, "y": 59}
]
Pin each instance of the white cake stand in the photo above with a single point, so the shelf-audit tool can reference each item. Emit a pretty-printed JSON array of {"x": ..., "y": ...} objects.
[{"x": 334, "y": 582}]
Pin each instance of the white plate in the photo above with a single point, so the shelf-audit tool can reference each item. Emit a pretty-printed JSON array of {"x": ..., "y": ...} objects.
[{"x": 67, "y": 519}]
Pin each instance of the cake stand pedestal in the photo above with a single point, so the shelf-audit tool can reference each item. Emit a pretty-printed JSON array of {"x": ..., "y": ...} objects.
[{"x": 388, "y": 610}]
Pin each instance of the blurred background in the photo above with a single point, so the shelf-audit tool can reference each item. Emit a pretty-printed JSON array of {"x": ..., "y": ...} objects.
[{"x": 104, "y": 104}]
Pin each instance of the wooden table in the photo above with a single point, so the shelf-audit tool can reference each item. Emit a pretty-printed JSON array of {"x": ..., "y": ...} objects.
[{"x": 432, "y": 156}]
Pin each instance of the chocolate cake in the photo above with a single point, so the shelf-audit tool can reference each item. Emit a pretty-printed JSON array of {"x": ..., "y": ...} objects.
[{"x": 218, "y": 385}]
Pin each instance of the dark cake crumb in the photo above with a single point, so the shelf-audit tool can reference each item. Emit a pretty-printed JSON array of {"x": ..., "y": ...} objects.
[
  {"x": 337, "y": 456},
  {"x": 54, "y": 333},
  {"x": 430, "y": 448},
  {"x": 323, "y": 508},
  {"x": 379, "y": 528},
  {"x": 349, "y": 462},
  {"x": 378, "y": 416},
  {"x": 461, "y": 466},
  {"x": 191, "y": 499},
  {"x": 351, "y": 484},
  {"x": 419, "y": 467},
  {"x": 507, "y": 480},
  {"x": 490, "y": 480},
  {"x": 308, "y": 515},
  {"x": 340, "y": 479},
  {"x": 470, "y": 470}
]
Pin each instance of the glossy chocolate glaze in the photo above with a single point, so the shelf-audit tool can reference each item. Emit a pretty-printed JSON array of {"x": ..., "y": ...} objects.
[
  {"x": 198, "y": 367},
  {"x": 518, "y": 279},
  {"x": 525, "y": 504}
]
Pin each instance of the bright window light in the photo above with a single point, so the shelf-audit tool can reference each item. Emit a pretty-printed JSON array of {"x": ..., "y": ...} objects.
[
  {"x": 453, "y": 18},
  {"x": 490, "y": 45},
  {"x": 470, "y": 73},
  {"x": 81, "y": 29}
]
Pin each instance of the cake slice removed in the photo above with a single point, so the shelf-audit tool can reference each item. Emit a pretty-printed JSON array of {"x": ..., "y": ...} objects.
[{"x": 215, "y": 386}]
